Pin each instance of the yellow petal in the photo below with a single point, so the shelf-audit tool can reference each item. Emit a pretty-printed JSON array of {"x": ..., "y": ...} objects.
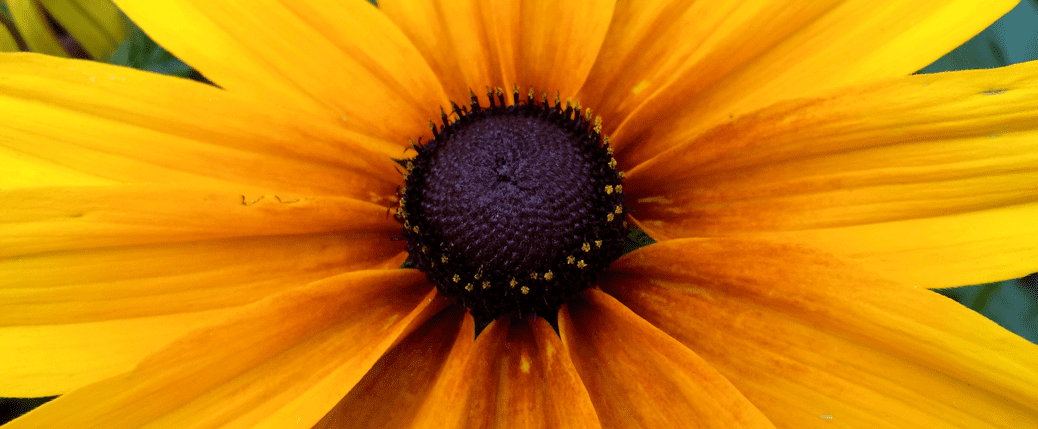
[
  {"x": 403, "y": 379},
  {"x": 282, "y": 361},
  {"x": 82, "y": 316},
  {"x": 928, "y": 178},
  {"x": 704, "y": 63},
  {"x": 132, "y": 126},
  {"x": 814, "y": 341},
  {"x": 516, "y": 374},
  {"x": 38, "y": 220},
  {"x": 95, "y": 24},
  {"x": 639, "y": 377},
  {"x": 33, "y": 27},
  {"x": 44, "y": 360},
  {"x": 330, "y": 59},
  {"x": 107, "y": 283},
  {"x": 90, "y": 271}
]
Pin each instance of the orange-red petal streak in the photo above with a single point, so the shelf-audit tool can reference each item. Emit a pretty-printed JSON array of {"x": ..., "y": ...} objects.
[
  {"x": 403, "y": 379},
  {"x": 639, "y": 377},
  {"x": 516, "y": 374}
]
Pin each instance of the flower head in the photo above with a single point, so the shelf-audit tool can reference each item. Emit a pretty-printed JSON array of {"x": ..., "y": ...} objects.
[{"x": 182, "y": 255}]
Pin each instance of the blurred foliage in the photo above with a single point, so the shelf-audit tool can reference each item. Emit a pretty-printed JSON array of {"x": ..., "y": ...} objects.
[
  {"x": 140, "y": 52},
  {"x": 1010, "y": 40},
  {"x": 1012, "y": 303}
]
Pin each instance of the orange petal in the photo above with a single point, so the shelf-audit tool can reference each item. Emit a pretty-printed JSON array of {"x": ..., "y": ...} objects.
[
  {"x": 560, "y": 42},
  {"x": 330, "y": 59},
  {"x": 814, "y": 341},
  {"x": 886, "y": 169},
  {"x": 674, "y": 69},
  {"x": 435, "y": 27},
  {"x": 282, "y": 361},
  {"x": 548, "y": 45},
  {"x": 38, "y": 220},
  {"x": 471, "y": 44},
  {"x": 126, "y": 125},
  {"x": 639, "y": 377},
  {"x": 403, "y": 379},
  {"x": 515, "y": 374}
]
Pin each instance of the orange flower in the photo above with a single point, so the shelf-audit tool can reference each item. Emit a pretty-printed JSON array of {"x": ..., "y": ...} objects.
[{"x": 179, "y": 255}]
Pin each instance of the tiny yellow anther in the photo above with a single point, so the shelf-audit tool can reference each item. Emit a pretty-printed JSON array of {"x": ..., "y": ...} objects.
[
  {"x": 549, "y": 275},
  {"x": 570, "y": 259},
  {"x": 415, "y": 228},
  {"x": 468, "y": 287},
  {"x": 610, "y": 217},
  {"x": 456, "y": 278},
  {"x": 612, "y": 163},
  {"x": 410, "y": 166},
  {"x": 581, "y": 264},
  {"x": 513, "y": 282},
  {"x": 525, "y": 290},
  {"x": 586, "y": 247},
  {"x": 609, "y": 189},
  {"x": 486, "y": 285},
  {"x": 533, "y": 276},
  {"x": 619, "y": 188},
  {"x": 619, "y": 209},
  {"x": 443, "y": 259},
  {"x": 598, "y": 244}
]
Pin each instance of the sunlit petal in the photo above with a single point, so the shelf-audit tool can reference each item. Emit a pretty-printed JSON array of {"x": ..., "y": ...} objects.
[
  {"x": 122, "y": 125},
  {"x": 930, "y": 178},
  {"x": 670, "y": 70},
  {"x": 330, "y": 59}
]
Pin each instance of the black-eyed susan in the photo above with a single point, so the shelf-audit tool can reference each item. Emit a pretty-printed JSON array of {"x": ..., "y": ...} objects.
[
  {"x": 64, "y": 28},
  {"x": 182, "y": 255}
]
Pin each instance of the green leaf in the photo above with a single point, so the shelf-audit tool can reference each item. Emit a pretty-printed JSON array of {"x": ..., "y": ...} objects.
[
  {"x": 140, "y": 52},
  {"x": 1013, "y": 304}
]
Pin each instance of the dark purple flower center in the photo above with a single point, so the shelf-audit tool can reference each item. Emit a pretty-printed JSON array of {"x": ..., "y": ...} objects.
[{"x": 513, "y": 209}]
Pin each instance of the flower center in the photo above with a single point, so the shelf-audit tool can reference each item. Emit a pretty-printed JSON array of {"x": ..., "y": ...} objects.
[{"x": 513, "y": 209}]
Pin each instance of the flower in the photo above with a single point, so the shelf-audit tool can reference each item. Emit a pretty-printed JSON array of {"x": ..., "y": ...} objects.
[
  {"x": 77, "y": 28},
  {"x": 176, "y": 254}
]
